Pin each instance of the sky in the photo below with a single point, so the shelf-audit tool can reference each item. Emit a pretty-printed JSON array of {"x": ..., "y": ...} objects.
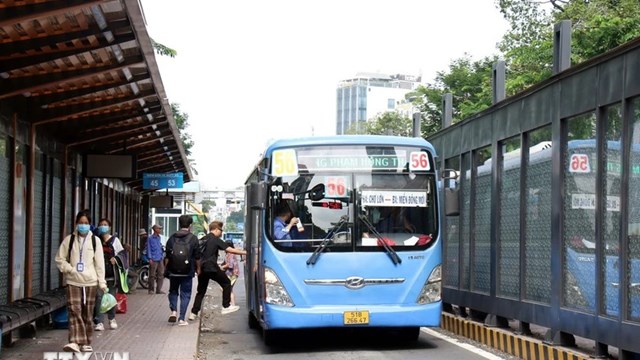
[{"x": 248, "y": 72}]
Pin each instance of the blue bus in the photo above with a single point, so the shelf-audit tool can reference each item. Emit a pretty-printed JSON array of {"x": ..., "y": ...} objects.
[
  {"x": 368, "y": 252},
  {"x": 579, "y": 222}
]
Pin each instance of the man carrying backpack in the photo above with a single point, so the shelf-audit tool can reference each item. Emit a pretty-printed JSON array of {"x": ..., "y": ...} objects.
[
  {"x": 181, "y": 262},
  {"x": 210, "y": 246}
]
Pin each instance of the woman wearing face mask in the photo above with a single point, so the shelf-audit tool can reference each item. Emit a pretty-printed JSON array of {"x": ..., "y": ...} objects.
[
  {"x": 81, "y": 261},
  {"x": 113, "y": 252}
]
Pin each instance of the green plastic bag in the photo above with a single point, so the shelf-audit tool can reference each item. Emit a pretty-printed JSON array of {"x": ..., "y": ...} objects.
[{"x": 108, "y": 302}]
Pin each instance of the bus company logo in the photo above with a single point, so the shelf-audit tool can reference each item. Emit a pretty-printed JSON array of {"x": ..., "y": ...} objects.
[
  {"x": 86, "y": 356},
  {"x": 354, "y": 282}
]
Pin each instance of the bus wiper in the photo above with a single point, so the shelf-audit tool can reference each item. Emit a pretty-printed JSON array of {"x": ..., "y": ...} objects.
[
  {"x": 392, "y": 253},
  {"x": 330, "y": 235}
]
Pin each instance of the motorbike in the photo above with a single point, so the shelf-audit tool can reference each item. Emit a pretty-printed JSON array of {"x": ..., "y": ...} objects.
[{"x": 141, "y": 267}]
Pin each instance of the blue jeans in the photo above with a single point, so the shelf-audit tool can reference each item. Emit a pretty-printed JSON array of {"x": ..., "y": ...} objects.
[{"x": 183, "y": 285}]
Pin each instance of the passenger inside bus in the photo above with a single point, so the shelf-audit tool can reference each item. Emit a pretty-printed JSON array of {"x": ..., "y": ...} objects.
[{"x": 284, "y": 225}]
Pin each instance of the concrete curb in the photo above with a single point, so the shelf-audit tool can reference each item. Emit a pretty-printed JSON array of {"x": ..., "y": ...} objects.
[{"x": 506, "y": 341}]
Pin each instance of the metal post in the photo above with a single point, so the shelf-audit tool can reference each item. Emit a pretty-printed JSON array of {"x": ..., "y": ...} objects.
[
  {"x": 498, "y": 81},
  {"x": 447, "y": 110},
  {"x": 417, "y": 117},
  {"x": 561, "y": 46}
]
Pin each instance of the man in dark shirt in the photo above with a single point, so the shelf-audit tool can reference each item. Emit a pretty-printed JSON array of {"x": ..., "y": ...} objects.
[
  {"x": 181, "y": 262},
  {"x": 211, "y": 271}
]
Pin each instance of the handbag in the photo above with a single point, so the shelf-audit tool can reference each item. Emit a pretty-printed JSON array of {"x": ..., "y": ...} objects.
[{"x": 121, "y": 307}]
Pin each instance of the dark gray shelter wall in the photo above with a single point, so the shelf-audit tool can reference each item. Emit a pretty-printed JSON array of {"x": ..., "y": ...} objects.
[{"x": 593, "y": 89}]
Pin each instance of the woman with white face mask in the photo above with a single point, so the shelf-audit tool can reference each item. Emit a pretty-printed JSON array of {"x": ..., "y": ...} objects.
[
  {"x": 111, "y": 249},
  {"x": 81, "y": 261}
]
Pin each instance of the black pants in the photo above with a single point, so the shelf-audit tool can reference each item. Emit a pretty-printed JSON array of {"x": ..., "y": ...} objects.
[{"x": 203, "y": 281}]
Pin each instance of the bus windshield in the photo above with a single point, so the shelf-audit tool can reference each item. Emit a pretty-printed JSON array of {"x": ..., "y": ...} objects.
[{"x": 393, "y": 187}]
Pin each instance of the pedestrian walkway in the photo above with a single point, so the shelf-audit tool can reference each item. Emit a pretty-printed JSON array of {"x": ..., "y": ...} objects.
[{"x": 143, "y": 331}]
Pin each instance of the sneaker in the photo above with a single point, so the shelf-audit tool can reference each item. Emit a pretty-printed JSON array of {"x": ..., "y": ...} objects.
[
  {"x": 71, "y": 347},
  {"x": 230, "y": 309},
  {"x": 98, "y": 327},
  {"x": 173, "y": 317},
  {"x": 150, "y": 292},
  {"x": 113, "y": 324},
  {"x": 193, "y": 316},
  {"x": 86, "y": 348},
  {"x": 182, "y": 323}
]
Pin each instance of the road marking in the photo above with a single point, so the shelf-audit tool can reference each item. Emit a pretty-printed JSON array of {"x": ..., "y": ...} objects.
[{"x": 483, "y": 353}]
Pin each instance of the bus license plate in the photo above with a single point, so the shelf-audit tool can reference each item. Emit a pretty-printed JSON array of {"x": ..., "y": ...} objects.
[{"x": 356, "y": 317}]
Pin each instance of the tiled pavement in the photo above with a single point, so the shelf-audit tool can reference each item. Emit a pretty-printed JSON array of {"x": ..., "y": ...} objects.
[{"x": 143, "y": 332}]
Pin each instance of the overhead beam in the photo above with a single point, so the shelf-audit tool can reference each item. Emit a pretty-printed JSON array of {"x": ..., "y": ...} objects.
[
  {"x": 110, "y": 123},
  {"x": 23, "y": 62},
  {"x": 102, "y": 119},
  {"x": 138, "y": 144},
  {"x": 93, "y": 107},
  {"x": 16, "y": 14},
  {"x": 128, "y": 130},
  {"x": 20, "y": 46},
  {"x": 172, "y": 152},
  {"x": 48, "y": 99},
  {"x": 12, "y": 87}
]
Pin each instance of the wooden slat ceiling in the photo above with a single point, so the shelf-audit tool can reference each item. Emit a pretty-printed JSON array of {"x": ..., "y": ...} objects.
[{"x": 84, "y": 72}]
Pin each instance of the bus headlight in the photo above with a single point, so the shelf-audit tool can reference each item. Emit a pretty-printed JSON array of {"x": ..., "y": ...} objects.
[
  {"x": 432, "y": 289},
  {"x": 275, "y": 292}
]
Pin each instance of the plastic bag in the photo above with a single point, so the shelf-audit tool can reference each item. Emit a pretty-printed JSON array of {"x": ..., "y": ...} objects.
[
  {"x": 107, "y": 303},
  {"x": 121, "y": 307}
]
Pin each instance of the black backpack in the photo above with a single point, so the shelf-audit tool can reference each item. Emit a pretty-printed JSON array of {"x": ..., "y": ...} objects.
[
  {"x": 71, "y": 241},
  {"x": 180, "y": 261}
]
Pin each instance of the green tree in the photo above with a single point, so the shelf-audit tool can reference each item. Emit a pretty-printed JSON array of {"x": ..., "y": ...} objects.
[
  {"x": 387, "y": 123},
  {"x": 182, "y": 122},
  {"x": 466, "y": 80},
  {"x": 234, "y": 218},
  {"x": 207, "y": 205},
  {"x": 163, "y": 49}
]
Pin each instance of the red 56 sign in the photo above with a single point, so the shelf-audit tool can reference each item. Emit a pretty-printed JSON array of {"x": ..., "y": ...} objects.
[
  {"x": 335, "y": 186},
  {"x": 579, "y": 163},
  {"x": 419, "y": 160}
]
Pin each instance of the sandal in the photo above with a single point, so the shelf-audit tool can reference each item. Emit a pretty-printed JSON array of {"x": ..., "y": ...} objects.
[{"x": 86, "y": 348}]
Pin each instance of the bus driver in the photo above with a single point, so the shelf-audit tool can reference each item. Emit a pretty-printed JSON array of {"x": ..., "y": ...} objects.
[{"x": 283, "y": 223}]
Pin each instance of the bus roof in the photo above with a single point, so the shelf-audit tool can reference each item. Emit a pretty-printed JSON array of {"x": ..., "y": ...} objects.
[{"x": 348, "y": 140}]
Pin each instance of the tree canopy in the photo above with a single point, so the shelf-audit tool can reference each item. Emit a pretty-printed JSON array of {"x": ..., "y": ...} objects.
[{"x": 527, "y": 49}]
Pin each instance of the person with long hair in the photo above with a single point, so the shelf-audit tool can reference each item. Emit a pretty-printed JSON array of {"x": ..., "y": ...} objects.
[{"x": 80, "y": 260}]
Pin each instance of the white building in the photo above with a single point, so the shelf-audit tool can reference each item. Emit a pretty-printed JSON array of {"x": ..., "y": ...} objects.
[{"x": 366, "y": 95}]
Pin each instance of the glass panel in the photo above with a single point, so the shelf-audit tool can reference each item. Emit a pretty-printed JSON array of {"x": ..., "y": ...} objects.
[
  {"x": 465, "y": 214},
  {"x": 509, "y": 246},
  {"x": 579, "y": 215},
  {"x": 452, "y": 246},
  {"x": 482, "y": 211},
  {"x": 633, "y": 265},
  {"x": 537, "y": 242},
  {"x": 611, "y": 211},
  {"x": 5, "y": 216},
  {"x": 394, "y": 188}
]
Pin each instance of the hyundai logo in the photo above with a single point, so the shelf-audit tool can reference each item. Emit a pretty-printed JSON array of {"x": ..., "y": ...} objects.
[{"x": 354, "y": 282}]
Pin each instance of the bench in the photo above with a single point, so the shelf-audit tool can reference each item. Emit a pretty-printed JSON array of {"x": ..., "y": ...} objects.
[{"x": 20, "y": 314}]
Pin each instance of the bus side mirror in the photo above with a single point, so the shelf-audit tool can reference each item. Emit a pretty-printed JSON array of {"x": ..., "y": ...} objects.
[
  {"x": 258, "y": 195},
  {"x": 317, "y": 192},
  {"x": 451, "y": 207},
  {"x": 449, "y": 174}
]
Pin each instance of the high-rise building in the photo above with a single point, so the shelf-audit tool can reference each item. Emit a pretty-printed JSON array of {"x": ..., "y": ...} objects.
[{"x": 367, "y": 94}]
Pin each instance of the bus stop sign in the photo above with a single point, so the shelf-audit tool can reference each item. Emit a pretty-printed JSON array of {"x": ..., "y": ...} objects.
[{"x": 162, "y": 180}]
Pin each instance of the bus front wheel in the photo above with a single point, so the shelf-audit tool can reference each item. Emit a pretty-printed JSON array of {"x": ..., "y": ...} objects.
[
  {"x": 269, "y": 337},
  {"x": 253, "y": 322}
]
